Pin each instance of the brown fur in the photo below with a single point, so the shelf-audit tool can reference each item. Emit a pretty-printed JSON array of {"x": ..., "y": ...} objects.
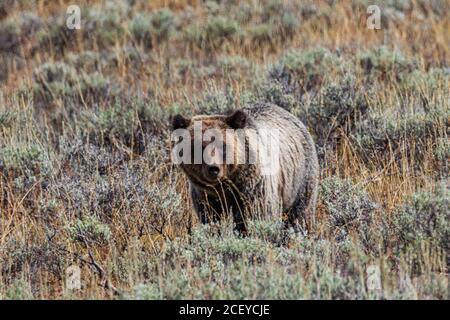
[{"x": 241, "y": 190}]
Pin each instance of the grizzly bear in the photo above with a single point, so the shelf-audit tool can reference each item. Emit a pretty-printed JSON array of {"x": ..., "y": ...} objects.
[{"x": 222, "y": 185}]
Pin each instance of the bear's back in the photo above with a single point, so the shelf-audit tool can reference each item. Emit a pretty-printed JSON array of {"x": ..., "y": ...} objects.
[{"x": 297, "y": 156}]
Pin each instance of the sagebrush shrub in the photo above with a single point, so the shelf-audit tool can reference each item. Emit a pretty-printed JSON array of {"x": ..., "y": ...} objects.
[
  {"x": 337, "y": 106},
  {"x": 379, "y": 133},
  {"x": 261, "y": 33},
  {"x": 140, "y": 28},
  {"x": 104, "y": 26},
  {"x": 163, "y": 23},
  {"x": 425, "y": 217},
  {"x": 61, "y": 82},
  {"x": 304, "y": 70},
  {"x": 90, "y": 231},
  {"x": 158, "y": 26},
  {"x": 214, "y": 262},
  {"x": 442, "y": 154},
  {"x": 350, "y": 209},
  {"x": 234, "y": 66},
  {"x": 385, "y": 64},
  {"x": 24, "y": 166},
  {"x": 221, "y": 27},
  {"x": 274, "y": 92},
  {"x": 214, "y": 101},
  {"x": 26, "y": 257},
  {"x": 134, "y": 122},
  {"x": 85, "y": 147},
  {"x": 15, "y": 31},
  {"x": 19, "y": 290}
]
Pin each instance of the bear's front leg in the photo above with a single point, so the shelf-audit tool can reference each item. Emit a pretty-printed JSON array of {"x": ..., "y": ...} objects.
[
  {"x": 208, "y": 208},
  {"x": 211, "y": 208}
]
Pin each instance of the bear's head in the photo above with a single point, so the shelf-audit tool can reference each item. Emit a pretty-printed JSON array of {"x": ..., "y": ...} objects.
[{"x": 211, "y": 146}]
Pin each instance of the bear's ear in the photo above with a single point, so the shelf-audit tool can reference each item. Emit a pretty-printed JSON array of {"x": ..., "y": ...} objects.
[
  {"x": 237, "y": 120},
  {"x": 180, "y": 122}
]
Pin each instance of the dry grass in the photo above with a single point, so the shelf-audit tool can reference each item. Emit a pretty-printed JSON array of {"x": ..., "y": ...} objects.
[{"x": 95, "y": 144}]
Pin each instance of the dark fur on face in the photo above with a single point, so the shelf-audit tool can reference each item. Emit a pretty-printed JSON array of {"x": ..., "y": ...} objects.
[{"x": 216, "y": 169}]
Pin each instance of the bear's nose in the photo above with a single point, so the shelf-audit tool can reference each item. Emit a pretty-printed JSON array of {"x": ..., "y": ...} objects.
[{"x": 213, "y": 171}]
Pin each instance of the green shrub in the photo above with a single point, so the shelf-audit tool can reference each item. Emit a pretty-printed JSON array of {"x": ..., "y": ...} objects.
[
  {"x": 284, "y": 17},
  {"x": 215, "y": 263},
  {"x": 385, "y": 64},
  {"x": 289, "y": 23},
  {"x": 269, "y": 231},
  {"x": 425, "y": 90},
  {"x": 213, "y": 7},
  {"x": 214, "y": 101},
  {"x": 350, "y": 208},
  {"x": 431, "y": 81},
  {"x": 425, "y": 217},
  {"x": 57, "y": 72},
  {"x": 55, "y": 35},
  {"x": 166, "y": 207},
  {"x": 9, "y": 36},
  {"x": 377, "y": 134},
  {"x": 157, "y": 26},
  {"x": 235, "y": 67},
  {"x": 89, "y": 230},
  {"x": 215, "y": 32},
  {"x": 105, "y": 26},
  {"x": 19, "y": 290},
  {"x": 221, "y": 27},
  {"x": 14, "y": 30},
  {"x": 304, "y": 70},
  {"x": 402, "y": 7},
  {"x": 110, "y": 186},
  {"x": 27, "y": 165},
  {"x": 17, "y": 41},
  {"x": 345, "y": 202},
  {"x": 244, "y": 12},
  {"x": 131, "y": 121},
  {"x": 146, "y": 292},
  {"x": 205, "y": 244},
  {"x": 163, "y": 24},
  {"x": 132, "y": 264},
  {"x": 274, "y": 92},
  {"x": 61, "y": 82},
  {"x": 442, "y": 154},
  {"x": 87, "y": 61},
  {"x": 140, "y": 28},
  {"x": 193, "y": 34},
  {"x": 31, "y": 260},
  {"x": 214, "y": 256},
  {"x": 263, "y": 32},
  {"x": 101, "y": 27},
  {"x": 337, "y": 106},
  {"x": 12, "y": 117}
]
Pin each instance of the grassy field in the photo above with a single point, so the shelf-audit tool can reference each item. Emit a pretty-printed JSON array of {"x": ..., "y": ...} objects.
[{"x": 85, "y": 172}]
